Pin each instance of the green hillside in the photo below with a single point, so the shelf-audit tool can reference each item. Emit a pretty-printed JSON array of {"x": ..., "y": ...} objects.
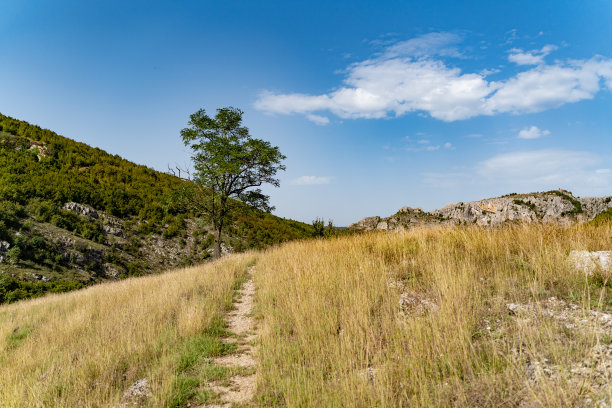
[{"x": 71, "y": 215}]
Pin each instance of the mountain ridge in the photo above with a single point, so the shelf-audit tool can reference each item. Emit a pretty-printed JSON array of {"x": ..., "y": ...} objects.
[{"x": 558, "y": 206}]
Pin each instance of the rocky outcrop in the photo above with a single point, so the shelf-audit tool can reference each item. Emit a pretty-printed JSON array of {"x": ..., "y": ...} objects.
[
  {"x": 81, "y": 209},
  {"x": 110, "y": 225},
  {"x": 558, "y": 206},
  {"x": 4, "y": 247}
]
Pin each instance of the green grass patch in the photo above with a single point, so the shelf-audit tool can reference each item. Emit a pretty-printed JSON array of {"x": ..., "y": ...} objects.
[
  {"x": 205, "y": 396},
  {"x": 604, "y": 217},
  {"x": 184, "y": 388},
  {"x": 200, "y": 347},
  {"x": 17, "y": 337},
  {"x": 195, "y": 367}
]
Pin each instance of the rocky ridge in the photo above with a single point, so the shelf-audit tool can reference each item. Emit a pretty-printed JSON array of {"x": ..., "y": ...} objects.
[{"x": 557, "y": 206}]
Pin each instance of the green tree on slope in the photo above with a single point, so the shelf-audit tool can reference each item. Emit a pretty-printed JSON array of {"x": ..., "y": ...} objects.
[{"x": 227, "y": 164}]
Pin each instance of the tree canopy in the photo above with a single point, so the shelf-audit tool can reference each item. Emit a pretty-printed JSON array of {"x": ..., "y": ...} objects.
[{"x": 228, "y": 164}]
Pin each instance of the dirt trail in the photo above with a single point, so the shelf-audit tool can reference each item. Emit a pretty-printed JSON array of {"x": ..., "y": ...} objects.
[{"x": 241, "y": 388}]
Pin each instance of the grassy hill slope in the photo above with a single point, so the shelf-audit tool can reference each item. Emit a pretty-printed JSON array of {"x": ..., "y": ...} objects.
[
  {"x": 87, "y": 347},
  {"x": 71, "y": 215},
  {"x": 435, "y": 317},
  {"x": 448, "y": 316}
]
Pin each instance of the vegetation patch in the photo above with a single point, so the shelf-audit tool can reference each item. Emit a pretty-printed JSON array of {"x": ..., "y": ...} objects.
[
  {"x": 577, "y": 205},
  {"x": 602, "y": 218},
  {"x": 123, "y": 220},
  {"x": 17, "y": 336},
  {"x": 13, "y": 290},
  {"x": 529, "y": 205},
  {"x": 183, "y": 389}
]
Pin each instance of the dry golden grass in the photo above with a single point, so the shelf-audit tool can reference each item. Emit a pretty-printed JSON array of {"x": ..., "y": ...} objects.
[
  {"x": 85, "y": 348},
  {"x": 333, "y": 333},
  {"x": 330, "y": 310}
]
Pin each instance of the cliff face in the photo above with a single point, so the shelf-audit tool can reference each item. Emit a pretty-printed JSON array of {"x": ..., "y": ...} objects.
[{"x": 558, "y": 206}]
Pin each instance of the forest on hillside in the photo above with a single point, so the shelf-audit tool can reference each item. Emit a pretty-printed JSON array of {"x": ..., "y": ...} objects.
[{"x": 41, "y": 171}]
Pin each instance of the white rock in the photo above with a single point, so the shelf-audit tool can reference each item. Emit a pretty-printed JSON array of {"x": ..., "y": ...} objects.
[
  {"x": 589, "y": 261},
  {"x": 138, "y": 392}
]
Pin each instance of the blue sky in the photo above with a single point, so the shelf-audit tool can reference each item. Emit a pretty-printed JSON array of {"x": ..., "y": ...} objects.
[{"x": 376, "y": 105}]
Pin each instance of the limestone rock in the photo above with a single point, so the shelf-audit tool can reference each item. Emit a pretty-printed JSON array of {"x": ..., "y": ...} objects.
[
  {"x": 137, "y": 394},
  {"x": 40, "y": 277},
  {"x": 590, "y": 261},
  {"x": 111, "y": 271},
  {"x": 415, "y": 304},
  {"x": 558, "y": 206},
  {"x": 4, "y": 247},
  {"x": 113, "y": 230},
  {"x": 81, "y": 209}
]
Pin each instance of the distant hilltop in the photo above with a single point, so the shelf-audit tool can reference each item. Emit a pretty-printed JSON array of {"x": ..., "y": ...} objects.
[{"x": 557, "y": 206}]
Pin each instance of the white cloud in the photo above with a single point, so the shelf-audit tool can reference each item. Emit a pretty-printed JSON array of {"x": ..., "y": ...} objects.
[
  {"x": 550, "y": 86},
  {"x": 319, "y": 120},
  {"x": 427, "y": 45},
  {"x": 530, "y": 171},
  {"x": 448, "y": 145},
  {"x": 486, "y": 72},
  {"x": 421, "y": 145},
  {"x": 410, "y": 77},
  {"x": 545, "y": 169},
  {"x": 532, "y": 132},
  {"x": 511, "y": 36},
  {"x": 417, "y": 149},
  {"x": 311, "y": 180},
  {"x": 533, "y": 57}
]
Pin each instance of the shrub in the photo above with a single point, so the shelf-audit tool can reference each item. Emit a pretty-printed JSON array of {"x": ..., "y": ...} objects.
[
  {"x": 14, "y": 254},
  {"x": 603, "y": 217},
  {"x": 41, "y": 210},
  {"x": 318, "y": 226},
  {"x": 4, "y": 233}
]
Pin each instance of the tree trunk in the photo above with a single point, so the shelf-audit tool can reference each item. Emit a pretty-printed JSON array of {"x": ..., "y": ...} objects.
[{"x": 217, "y": 247}]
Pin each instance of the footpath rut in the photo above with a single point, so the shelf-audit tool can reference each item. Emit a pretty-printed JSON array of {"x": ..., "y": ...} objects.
[{"x": 241, "y": 388}]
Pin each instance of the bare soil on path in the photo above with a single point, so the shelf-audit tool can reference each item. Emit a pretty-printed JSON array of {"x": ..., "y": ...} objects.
[{"x": 240, "y": 389}]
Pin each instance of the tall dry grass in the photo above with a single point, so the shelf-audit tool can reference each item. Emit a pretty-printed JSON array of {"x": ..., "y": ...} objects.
[
  {"x": 334, "y": 335},
  {"x": 83, "y": 349}
]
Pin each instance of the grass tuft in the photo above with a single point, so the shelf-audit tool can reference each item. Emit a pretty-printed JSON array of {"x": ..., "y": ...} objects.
[{"x": 17, "y": 337}]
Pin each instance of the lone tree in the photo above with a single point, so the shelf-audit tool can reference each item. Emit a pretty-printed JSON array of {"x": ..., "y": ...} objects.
[{"x": 227, "y": 164}]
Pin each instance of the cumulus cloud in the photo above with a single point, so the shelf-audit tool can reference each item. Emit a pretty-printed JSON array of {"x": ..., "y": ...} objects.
[
  {"x": 311, "y": 180},
  {"x": 532, "y": 132},
  {"x": 411, "y": 76},
  {"x": 533, "y": 57}
]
